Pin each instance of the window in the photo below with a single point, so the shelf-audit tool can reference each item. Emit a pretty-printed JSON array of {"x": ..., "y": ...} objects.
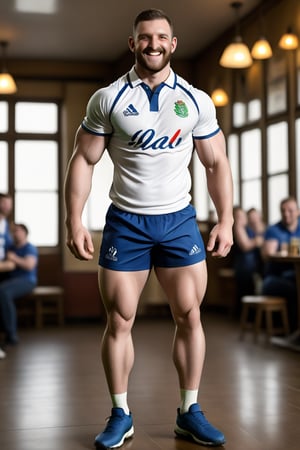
[
  {"x": 233, "y": 156},
  {"x": 3, "y": 166},
  {"x": 251, "y": 172},
  {"x": 3, "y": 117},
  {"x": 277, "y": 167},
  {"x": 239, "y": 114},
  {"x": 277, "y": 86},
  {"x": 31, "y": 168}
]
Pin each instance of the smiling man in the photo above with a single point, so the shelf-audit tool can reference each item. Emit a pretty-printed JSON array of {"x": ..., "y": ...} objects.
[{"x": 150, "y": 120}]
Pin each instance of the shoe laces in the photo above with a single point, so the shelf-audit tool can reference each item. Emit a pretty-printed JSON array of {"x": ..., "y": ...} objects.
[
  {"x": 111, "y": 422},
  {"x": 200, "y": 415}
]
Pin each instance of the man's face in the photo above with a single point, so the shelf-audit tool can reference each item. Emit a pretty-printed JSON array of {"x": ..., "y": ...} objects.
[
  {"x": 289, "y": 213},
  {"x": 153, "y": 45},
  {"x": 5, "y": 206},
  {"x": 18, "y": 233}
]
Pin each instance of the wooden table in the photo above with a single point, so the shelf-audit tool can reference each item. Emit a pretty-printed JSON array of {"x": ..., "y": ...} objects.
[{"x": 292, "y": 341}]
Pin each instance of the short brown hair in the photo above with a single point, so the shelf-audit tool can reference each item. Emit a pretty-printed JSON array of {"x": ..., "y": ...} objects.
[{"x": 151, "y": 14}]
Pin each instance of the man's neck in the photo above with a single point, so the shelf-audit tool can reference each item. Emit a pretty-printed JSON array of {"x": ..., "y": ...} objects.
[
  {"x": 152, "y": 79},
  {"x": 292, "y": 227}
]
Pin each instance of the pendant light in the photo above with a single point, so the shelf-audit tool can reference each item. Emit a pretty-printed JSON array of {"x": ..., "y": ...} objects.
[
  {"x": 261, "y": 48},
  {"x": 7, "y": 83},
  {"x": 289, "y": 40},
  {"x": 219, "y": 97},
  {"x": 236, "y": 55}
]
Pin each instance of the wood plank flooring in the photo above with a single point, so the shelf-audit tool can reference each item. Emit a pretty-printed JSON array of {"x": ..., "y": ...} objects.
[{"x": 53, "y": 395}]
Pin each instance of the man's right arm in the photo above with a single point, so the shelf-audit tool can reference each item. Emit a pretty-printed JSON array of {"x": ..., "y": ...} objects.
[{"x": 88, "y": 150}]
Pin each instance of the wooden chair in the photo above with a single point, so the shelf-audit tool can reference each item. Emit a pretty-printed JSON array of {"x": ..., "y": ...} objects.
[
  {"x": 43, "y": 302},
  {"x": 263, "y": 305},
  {"x": 227, "y": 285}
]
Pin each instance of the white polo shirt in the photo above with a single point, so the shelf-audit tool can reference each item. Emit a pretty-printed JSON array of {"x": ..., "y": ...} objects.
[{"x": 151, "y": 139}]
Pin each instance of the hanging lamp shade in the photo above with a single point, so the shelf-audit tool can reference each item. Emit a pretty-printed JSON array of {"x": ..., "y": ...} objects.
[
  {"x": 289, "y": 40},
  {"x": 261, "y": 49},
  {"x": 236, "y": 55},
  {"x": 219, "y": 97},
  {"x": 7, "y": 83}
]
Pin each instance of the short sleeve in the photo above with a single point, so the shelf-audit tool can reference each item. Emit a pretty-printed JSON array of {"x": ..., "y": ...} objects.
[
  {"x": 96, "y": 119},
  {"x": 207, "y": 124}
]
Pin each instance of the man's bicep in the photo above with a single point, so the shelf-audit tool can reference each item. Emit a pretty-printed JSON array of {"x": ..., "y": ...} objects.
[
  {"x": 90, "y": 146},
  {"x": 211, "y": 150}
]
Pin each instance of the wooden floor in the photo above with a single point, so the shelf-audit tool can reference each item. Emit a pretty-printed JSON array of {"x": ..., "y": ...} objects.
[{"x": 53, "y": 395}]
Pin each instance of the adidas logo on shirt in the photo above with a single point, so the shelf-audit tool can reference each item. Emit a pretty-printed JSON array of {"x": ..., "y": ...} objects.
[{"x": 130, "y": 111}]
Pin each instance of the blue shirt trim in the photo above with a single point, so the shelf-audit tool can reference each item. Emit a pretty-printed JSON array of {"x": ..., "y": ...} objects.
[
  {"x": 94, "y": 132},
  {"x": 207, "y": 136}
]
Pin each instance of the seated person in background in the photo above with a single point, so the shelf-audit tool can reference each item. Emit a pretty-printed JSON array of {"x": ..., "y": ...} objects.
[
  {"x": 21, "y": 265},
  {"x": 255, "y": 222},
  {"x": 247, "y": 260},
  {"x": 5, "y": 236},
  {"x": 280, "y": 278}
]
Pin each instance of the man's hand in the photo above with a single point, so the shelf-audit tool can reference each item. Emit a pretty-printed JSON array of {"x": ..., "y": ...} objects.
[
  {"x": 80, "y": 244},
  {"x": 220, "y": 240}
]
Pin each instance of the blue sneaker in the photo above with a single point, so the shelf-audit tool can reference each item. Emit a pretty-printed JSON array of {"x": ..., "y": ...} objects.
[
  {"x": 119, "y": 427},
  {"x": 193, "y": 424}
]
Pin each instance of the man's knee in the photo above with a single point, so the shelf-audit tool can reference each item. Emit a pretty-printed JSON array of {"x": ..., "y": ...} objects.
[
  {"x": 187, "y": 319},
  {"x": 118, "y": 323}
]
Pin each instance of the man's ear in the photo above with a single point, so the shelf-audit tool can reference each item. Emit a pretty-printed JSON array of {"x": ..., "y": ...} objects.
[
  {"x": 174, "y": 44},
  {"x": 131, "y": 44}
]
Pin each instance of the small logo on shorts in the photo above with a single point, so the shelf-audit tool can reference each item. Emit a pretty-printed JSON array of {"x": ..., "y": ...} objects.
[
  {"x": 112, "y": 254},
  {"x": 195, "y": 249}
]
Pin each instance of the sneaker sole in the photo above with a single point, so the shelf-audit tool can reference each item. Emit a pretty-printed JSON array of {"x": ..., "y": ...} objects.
[
  {"x": 127, "y": 435},
  {"x": 187, "y": 434}
]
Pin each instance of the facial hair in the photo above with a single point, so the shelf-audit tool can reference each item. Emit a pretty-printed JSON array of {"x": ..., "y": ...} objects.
[{"x": 153, "y": 67}]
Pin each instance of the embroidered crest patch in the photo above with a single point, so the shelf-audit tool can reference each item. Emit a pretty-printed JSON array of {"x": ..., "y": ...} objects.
[{"x": 181, "y": 109}]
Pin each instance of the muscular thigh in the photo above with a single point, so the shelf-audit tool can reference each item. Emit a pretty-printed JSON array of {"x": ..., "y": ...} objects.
[
  {"x": 120, "y": 291},
  {"x": 184, "y": 286}
]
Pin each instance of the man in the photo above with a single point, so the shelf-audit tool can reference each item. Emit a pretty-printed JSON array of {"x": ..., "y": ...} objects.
[
  {"x": 280, "y": 278},
  {"x": 5, "y": 210},
  {"x": 246, "y": 253},
  {"x": 150, "y": 120},
  {"x": 21, "y": 265},
  {"x": 5, "y": 237}
]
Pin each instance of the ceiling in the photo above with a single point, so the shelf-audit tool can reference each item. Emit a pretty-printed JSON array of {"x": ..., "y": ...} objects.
[{"x": 97, "y": 30}]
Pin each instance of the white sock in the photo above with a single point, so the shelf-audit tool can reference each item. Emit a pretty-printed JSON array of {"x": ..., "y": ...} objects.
[
  {"x": 120, "y": 401},
  {"x": 188, "y": 398}
]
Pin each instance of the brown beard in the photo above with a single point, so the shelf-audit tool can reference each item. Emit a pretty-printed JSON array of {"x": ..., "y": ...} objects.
[{"x": 153, "y": 69}]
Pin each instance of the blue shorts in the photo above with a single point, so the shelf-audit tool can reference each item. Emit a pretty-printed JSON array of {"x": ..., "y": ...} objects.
[{"x": 134, "y": 242}]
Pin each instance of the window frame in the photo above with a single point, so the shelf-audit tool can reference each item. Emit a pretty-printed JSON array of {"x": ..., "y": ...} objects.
[{"x": 11, "y": 136}]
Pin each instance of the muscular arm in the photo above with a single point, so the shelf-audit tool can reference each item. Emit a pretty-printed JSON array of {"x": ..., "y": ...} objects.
[
  {"x": 212, "y": 154},
  {"x": 88, "y": 150}
]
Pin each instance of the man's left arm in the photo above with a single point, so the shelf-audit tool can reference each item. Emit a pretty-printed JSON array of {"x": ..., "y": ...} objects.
[{"x": 212, "y": 154}]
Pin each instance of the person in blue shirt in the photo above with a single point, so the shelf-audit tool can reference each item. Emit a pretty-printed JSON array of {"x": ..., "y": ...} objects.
[
  {"x": 21, "y": 268},
  {"x": 5, "y": 236},
  {"x": 280, "y": 278},
  {"x": 248, "y": 239}
]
